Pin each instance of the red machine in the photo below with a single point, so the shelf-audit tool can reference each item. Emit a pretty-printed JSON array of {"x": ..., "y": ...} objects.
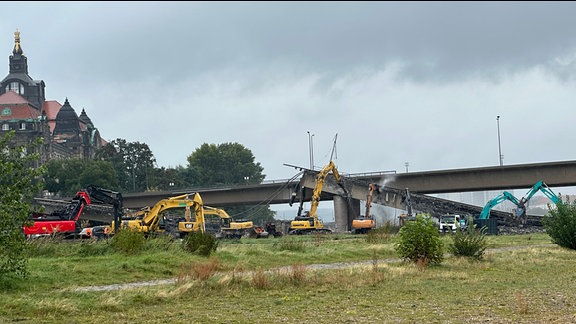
[{"x": 63, "y": 221}]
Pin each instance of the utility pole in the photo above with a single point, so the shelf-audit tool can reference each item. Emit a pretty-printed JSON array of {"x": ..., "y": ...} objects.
[
  {"x": 499, "y": 147},
  {"x": 311, "y": 149}
]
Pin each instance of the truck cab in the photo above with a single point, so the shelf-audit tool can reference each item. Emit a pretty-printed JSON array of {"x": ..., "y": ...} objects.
[{"x": 449, "y": 223}]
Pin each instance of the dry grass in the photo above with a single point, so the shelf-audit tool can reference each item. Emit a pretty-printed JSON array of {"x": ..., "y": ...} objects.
[
  {"x": 197, "y": 271},
  {"x": 521, "y": 303},
  {"x": 530, "y": 285},
  {"x": 259, "y": 280},
  {"x": 297, "y": 273}
]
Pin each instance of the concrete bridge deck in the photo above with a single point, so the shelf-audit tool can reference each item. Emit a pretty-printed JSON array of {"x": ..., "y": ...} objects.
[{"x": 521, "y": 176}]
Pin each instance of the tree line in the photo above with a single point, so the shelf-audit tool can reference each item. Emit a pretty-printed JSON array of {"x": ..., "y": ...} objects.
[{"x": 131, "y": 167}]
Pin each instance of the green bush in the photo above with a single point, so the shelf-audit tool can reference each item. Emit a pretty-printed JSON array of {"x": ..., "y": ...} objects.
[
  {"x": 128, "y": 241},
  {"x": 200, "y": 243},
  {"x": 419, "y": 242},
  {"x": 469, "y": 242},
  {"x": 560, "y": 224}
]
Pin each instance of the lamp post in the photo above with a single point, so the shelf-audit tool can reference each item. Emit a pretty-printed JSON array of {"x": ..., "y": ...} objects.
[
  {"x": 311, "y": 149},
  {"x": 499, "y": 147}
]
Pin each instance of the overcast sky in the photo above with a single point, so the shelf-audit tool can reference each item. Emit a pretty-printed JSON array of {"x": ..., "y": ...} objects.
[{"x": 399, "y": 82}]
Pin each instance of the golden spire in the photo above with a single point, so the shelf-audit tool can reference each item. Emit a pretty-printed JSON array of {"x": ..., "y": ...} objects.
[{"x": 17, "y": 48}]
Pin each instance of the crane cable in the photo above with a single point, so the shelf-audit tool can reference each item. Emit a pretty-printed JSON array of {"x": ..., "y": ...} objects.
[{"x": 272, "y": 196}]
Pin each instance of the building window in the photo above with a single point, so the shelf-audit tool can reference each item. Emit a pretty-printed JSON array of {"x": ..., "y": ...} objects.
[
  {"x": 22, "y": 126},
  {"x": 6, "y": 111},
  {"x": 16, "y": 87},
  {"x": 5, "y": 127}
]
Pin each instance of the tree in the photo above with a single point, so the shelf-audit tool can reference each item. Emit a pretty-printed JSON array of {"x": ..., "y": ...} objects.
[
  {"x": 133, "y": 162},
  {"x": 560, "y": 224},
  {"x": 66, "y": 177},
  {"x": 229, "y": 164},
  {"x": 19, "y": 183},
  {"x": 224, "y": 164},
  {"x": 420, "y": 242},
  {"x": 169, "y": 178}
]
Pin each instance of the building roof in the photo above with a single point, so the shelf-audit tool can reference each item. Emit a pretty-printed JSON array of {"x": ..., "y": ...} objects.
[
  {"x": 51, "y": 108},
  {"x": 67, "y": 120},
  {"x": 85, "y": 119},
  {"x": 11, "y": 97},
  {"x": 15, "y": 107}
]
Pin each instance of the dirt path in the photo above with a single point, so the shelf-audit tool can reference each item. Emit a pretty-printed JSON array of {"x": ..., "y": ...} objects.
[{"x": 326, "y": 266}]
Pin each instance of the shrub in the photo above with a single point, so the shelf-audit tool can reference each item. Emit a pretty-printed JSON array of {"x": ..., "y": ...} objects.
[
  {"x": 200, "y": 243},
  {"x": 419, "y": 242},
  {"x": 19, "y": 182},
  {"x": 560, "y": 224},
  {"x": 469, "y": 242},
  {"x": 128, "y": 241}
]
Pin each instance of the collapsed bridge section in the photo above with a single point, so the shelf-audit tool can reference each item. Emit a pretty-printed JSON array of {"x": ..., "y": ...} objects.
[{"x": 347, "y": 202}]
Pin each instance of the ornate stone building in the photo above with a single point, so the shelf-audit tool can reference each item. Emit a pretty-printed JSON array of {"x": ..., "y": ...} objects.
[{"x": 24, "y": 109}]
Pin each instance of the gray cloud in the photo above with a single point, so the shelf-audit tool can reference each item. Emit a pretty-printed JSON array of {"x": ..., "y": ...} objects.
[{"x": 417, "y": 82}]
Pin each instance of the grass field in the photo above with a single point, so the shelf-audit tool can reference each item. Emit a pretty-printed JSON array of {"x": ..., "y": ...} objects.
[{"x": 522, "y": 279}]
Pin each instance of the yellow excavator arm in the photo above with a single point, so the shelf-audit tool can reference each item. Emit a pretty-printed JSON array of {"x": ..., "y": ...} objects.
[
  {"x": 196, "y": 206},
  {"x": 320, "y": 177},
  {"x": 311, "y": 222},
  {"x": 148, "y": 220}
]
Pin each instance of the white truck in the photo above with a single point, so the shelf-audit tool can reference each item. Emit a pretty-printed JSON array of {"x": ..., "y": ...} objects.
[{"x": 449, "y": 223}]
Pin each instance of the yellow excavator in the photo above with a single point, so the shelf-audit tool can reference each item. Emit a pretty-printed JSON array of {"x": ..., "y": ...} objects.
[
  {"x": 152, "y": 219},
  {"x": 196, "y": 205},
  {"x": 363, "y": 224},
  {"x": 310, "y": 223},
  {"x": 229, "y": 228}
]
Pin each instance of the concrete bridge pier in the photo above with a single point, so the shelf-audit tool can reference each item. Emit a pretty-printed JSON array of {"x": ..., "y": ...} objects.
[{"x": 344, "y": 212}]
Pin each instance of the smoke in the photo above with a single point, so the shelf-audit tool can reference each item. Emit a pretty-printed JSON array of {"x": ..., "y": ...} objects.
[
  {"x": 387, "y": 179},
  {"x": 384, "y": 214}
]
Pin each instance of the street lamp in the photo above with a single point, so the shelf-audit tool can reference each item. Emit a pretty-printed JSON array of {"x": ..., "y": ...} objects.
[
  {"x": 311, "y": 149},
  {"x": 499, "y": 147},
  {"x": 406, "y": 164}
]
